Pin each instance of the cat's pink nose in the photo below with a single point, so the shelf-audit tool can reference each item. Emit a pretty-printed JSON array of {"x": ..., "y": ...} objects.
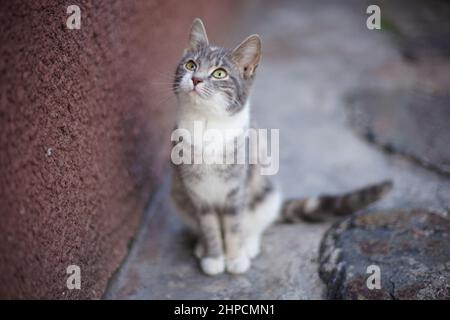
[{"x": 196, "y": 81}]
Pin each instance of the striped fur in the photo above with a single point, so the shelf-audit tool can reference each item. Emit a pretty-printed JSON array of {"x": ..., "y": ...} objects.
[{"x": 327, "y": 206}]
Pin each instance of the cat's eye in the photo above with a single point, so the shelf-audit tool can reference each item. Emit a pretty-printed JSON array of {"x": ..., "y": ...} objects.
[
  {"x": 219, "y": 73},
  {"x": 190, "y": 65}
]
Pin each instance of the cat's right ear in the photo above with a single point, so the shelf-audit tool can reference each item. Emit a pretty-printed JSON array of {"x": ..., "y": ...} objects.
[
  {"x": 247, "y": 55},
  {"x": 197, "y": 36}
]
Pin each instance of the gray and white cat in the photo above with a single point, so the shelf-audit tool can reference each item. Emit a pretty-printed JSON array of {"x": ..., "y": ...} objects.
[{"x": 230, "y": 205}]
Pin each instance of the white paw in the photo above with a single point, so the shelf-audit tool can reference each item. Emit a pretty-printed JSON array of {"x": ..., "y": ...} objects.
[
  {"x": 199, "y": 250},
  {"x": 253, "y": 247},
  {"x": 212, "y": 266},
  {"x": 238, "y": 265}
]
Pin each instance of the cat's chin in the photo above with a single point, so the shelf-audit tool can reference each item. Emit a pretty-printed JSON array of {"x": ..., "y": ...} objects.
[
  {"x": 197, "y": 94},
  {"x": 195, "y": 97}
]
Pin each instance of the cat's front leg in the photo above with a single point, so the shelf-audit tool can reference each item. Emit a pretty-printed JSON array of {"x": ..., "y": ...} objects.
[
  {"x": 237, "y": 260},
  {"x": 213, "y": 261}
]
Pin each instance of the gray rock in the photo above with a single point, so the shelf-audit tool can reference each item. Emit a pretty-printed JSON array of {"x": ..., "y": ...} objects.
[
  {"x": 412, "y": 123},
  {"x": 411, "y": 248},
  {"x": 422, "y": 31}
]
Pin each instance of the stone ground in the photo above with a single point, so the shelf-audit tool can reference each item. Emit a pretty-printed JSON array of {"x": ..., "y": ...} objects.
[
  {"x": 314, "y": 57},
  {"x": 410, "y": 248}
]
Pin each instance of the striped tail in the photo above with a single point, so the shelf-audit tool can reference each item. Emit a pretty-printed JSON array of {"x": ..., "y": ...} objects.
[{"x": 327, "y": 206}]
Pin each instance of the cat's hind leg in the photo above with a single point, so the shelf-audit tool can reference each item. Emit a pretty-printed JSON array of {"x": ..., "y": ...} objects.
[
  {"x": 199, "y": 249},
  {"x": 258, "y": 217},
  {"x": 253, "y": 245}
]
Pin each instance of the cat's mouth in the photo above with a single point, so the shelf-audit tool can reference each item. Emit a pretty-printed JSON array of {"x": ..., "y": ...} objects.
[{"x": 196, "y": 92}]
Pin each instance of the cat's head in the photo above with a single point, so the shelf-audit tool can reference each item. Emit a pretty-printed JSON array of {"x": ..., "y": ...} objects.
[{"x": 213, "y": 77}]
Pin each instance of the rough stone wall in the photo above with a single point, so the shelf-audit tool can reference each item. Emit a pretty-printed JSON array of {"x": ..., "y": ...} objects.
[{"x": 83, "y": 117}]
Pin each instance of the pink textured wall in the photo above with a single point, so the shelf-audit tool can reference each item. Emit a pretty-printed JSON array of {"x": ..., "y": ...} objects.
[{"x": 85, "y": 117}]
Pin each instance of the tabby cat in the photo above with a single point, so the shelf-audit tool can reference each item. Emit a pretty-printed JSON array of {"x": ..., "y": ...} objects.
[{"x": 230, "y": 205}]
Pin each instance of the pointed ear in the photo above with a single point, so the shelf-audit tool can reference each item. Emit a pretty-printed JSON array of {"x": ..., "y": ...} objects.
[
  {"x": 247, "y": 55},
  {"x": 197, "y": 36}
]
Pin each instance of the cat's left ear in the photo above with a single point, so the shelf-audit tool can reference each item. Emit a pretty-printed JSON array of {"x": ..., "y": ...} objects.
[
  {"x": 197, "y": 36},
  {"x": 247, "y": 55}
]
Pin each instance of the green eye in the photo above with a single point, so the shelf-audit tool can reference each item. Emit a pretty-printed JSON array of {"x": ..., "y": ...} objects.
[
  {"x": 190, "y": 65},
  {"x": 219, "y": 73}
]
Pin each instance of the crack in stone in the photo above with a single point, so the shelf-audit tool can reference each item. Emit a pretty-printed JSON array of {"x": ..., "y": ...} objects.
[{"x": 391, "y": 150}]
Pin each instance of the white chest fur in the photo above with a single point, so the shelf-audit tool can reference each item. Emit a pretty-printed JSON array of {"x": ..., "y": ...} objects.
[
  {"x": 208, "y": 134},
  {"x": 212, "y": 188}
]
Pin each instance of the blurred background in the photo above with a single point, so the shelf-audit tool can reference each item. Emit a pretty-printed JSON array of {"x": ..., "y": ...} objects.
[{"x": 85, "y": 122}]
